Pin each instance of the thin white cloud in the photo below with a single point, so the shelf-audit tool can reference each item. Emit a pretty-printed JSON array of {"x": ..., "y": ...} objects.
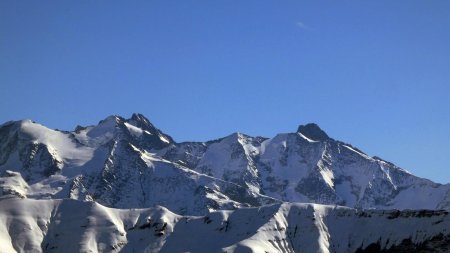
[{"x": 303, "y": 26}]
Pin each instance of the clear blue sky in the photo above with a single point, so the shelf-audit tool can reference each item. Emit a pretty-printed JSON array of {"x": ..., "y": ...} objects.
[{"x": 375, "y": 74}]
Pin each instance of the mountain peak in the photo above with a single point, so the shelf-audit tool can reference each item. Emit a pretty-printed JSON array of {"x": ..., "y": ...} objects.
[
  {"x": 139, "y": 117},
  {"x": 112, "y": 120},
  {"x": 141, "y": 121},
  {"x": 313, "y": 132}
]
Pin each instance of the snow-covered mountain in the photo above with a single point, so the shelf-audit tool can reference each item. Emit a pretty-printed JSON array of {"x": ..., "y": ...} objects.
[
  {"x": 75, "y": 226},
  {"x": 306, "y": 167},
  {"x": 125, "y": 186},
  {"x": 129, "y": 163},
  {"x": 113, "y": 163}
]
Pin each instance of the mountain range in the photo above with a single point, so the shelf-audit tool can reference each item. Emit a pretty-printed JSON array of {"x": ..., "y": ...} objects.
[{"x": 242, "y": 189}]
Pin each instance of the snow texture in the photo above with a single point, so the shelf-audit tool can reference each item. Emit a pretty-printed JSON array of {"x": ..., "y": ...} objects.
[
  {"x": 131, "y": 165},
  {"x": 77, "y": 226}
]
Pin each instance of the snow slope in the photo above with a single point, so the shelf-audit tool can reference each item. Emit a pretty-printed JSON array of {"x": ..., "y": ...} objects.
[{"x": 75, "y": 226}]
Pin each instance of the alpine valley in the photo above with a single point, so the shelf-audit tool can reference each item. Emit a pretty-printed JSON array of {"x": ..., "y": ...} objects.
[{"x": 125, "y": 186}]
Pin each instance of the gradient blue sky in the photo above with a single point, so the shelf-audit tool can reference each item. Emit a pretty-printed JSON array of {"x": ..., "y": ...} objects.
[{"x": 375, "y": 74}]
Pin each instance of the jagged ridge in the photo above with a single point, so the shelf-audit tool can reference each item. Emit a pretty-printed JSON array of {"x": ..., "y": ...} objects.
[{"x": 128, "y": 163}]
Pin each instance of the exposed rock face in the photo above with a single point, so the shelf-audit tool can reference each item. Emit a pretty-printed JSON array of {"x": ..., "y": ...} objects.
[
  {"x": 438, "y": 243},
  {"x": 313, "y": 132}
]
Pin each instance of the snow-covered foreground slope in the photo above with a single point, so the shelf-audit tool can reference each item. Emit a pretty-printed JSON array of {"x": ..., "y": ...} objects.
[
  {"x": 75, "y": 226},
  {"x": 129, "y": 163}
]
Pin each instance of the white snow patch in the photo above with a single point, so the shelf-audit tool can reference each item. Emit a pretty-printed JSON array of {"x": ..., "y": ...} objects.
[
  {"x": 164, "y": 139},
  {"x": 328, "y": 176},
  {"x": 306, "y": 138},
  {"x": 135, "y": 131},
  {"x": 359, "y": 153}
]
